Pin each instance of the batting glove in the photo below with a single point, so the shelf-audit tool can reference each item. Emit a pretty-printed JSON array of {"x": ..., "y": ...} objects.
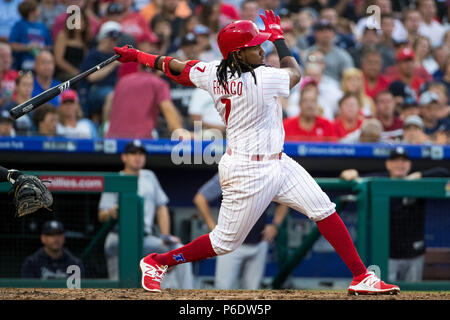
[
  {"x": 126, "y": 54},
  {"x": 273, "y": 25}
]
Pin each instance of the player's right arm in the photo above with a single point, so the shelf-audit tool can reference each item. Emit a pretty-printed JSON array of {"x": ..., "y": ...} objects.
[{"x": 173, "y": 68}]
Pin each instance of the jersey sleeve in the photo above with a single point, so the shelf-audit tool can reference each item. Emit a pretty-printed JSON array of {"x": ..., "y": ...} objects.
[
  {"x": 200, "y": 74},
  {"x": 276, "y": 82},
  {"x": 161, "y": 197},
  {"x": 108, "y": 200}
]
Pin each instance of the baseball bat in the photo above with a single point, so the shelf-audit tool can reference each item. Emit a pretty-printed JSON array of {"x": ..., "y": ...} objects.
[{"x": 49, "y": 94}]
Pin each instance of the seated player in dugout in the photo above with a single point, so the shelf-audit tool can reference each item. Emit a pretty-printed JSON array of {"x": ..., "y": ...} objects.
[
  {"x": 407, "y": 217},
  {"x": 255, "y": 138}
]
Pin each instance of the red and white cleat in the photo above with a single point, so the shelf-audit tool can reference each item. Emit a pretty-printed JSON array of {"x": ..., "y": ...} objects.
[
  {"x": 370, "y": 284},
  {"x": 152, "y": 274}
]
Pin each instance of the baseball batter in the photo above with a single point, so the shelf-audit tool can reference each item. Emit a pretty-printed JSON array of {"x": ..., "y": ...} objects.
[{"x": 254, "y": 170}]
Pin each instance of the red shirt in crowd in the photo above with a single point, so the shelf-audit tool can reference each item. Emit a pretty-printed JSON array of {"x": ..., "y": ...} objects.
[
  {"x": 341, "y": 131},
  {"x": 136, "y": 104},
  {"x": 8, "y": 83},
  {"x": 382, "y": 84},
  {"x": 396, "y": 124},
  {"x": 135, "y": 25},
  {"x": 323, "y": 130}
]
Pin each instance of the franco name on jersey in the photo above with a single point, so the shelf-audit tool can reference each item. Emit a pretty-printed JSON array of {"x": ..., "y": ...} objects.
[{"x": 233, "y": 87}]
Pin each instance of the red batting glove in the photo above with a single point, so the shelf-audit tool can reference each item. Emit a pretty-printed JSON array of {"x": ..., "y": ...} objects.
[
  {"x": 127, "y": 54},
  {"x": 273, "y": 25}
]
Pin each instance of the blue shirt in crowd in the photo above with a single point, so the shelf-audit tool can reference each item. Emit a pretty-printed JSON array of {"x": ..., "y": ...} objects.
[
  {"x": 27, "y": 32},
  {"x": 37, "y": 89}
]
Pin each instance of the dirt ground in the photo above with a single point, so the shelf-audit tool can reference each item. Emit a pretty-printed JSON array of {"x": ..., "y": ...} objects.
[{"x": 171, "y": 294}]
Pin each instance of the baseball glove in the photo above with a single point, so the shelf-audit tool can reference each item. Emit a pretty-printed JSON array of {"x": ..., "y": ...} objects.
[{"x": 29, "y": 195}]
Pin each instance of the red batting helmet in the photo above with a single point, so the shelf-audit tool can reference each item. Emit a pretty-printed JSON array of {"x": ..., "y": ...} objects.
[{"x": 239, "y": 34}]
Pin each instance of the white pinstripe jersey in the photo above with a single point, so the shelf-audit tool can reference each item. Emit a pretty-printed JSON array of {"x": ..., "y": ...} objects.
[{"x": 252, "y": 112}]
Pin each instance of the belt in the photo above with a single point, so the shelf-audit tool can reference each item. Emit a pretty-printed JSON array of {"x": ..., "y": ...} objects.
[{"x": 260, "y": 157}]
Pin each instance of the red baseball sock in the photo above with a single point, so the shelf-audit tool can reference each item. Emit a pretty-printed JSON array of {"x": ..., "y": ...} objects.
[
  {"x": 196, "y": 250},
  {"x": 334, "y": 230}
]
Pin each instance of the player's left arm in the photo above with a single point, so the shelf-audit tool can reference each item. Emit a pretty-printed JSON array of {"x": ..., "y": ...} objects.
[
  {"x": 287, "y": 61},
  {"x": 173, "y": 68}
]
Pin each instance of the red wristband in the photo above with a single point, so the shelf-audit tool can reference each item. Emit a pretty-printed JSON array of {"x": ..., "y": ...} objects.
[{"x": 147, "y": 59}]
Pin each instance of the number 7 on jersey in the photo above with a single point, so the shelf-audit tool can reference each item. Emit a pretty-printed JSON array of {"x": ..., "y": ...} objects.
[{"x": 227, "y": 103}]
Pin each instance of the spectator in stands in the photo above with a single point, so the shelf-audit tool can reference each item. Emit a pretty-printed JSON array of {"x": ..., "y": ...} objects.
[
  {"x": 353, "y": 82},
  {"x": 188, "y": 49},
  {"x": 429, "y": 111},
  {"x": 371, "y": 66},
  {"x": 440, "y": 54},
  {"x": 132, "y": 22},
  {"x": 50, "y": 10},
  {"x": 249, "y": 10},
  {"x": 369, "y": 39},
  {"x": 28, "y": 37},
  {"x": 413, "y": 131},
  {"x": 163, "y": 30},
  {"x": 155, "y": 208},
  {"x": 136, "y": 103},
  {"x": 248, "y": 262},
  {"x": 403, "y": 95},
  {"x": 398, "y": 33},
  {"x": 387, "y": 23},
  {"x": 423, "y": 54},
  {"x": 349, "y": 118},
  {"x": 116, "y": 12},
  {"x": 407, "y": 72},
  {"x": 407, "y": 217},
  {"x": 71, "y": 45},
  {"x": 7, "y": 74},
  {"x": 369, "y": 132},
  {"x": 309, "y": 126},
  {"x": 206, "y": 50},
  {"x": 303, "y": 26},
  {"x": 52, "y": 260},
  {"x": 6, "y": 125},
  {"x": 412, "y": 19},
  {"x": 342, "y": 40},
  {"x": 337, "y": 59},
  {"x": 44, "y": 69},
  {"x": 329, "y": 89},
  {"x": 71, "y": 122},
  {"x": 23, "y": 91},
  {"x": 444, "y": 102},
  {"x": 385, "y": 107},
  {"x": 430, "y": 27},
  {"x": 9, "y": 15},
  {"x": 168, "y": 12},
  {"x": 99, "y": 84},
  {"x": 84, "y": 6},
  {"x": 446, "y": 76},
  {"x": 45, "y": 120},
  {"x": 152, "y": 8},
  {"x": 409, "y": 109}
]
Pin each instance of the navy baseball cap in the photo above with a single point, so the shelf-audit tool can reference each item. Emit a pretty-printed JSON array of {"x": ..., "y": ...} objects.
[
  {"x": 398, "y": 152},
  {"x": 52, "y": 227},
  {"x": 134, "y": 146}
]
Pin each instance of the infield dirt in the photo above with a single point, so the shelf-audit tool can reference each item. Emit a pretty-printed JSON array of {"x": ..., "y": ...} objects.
[{"x": 171, "y": 294}]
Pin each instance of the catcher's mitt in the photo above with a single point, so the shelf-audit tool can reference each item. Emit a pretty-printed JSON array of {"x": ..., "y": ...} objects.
[{"x": 30, "y": 194}]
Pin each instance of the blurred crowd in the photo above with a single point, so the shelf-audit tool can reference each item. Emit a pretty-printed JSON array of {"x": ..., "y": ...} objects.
[{"x": 373, "y": 70}]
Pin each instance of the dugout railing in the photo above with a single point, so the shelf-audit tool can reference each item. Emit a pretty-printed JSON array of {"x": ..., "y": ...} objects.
[{"x": 130, "y": 226}]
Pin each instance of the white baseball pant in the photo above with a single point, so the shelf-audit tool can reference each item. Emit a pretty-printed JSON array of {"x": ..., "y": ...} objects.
[{"x": 249, "y": 186}]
